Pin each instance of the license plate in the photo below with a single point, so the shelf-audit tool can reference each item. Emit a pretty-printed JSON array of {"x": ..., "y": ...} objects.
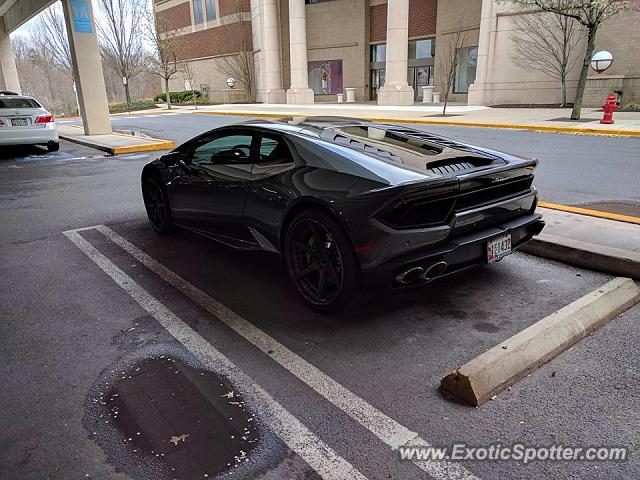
[
  {"x": 498, "y": 247},
  {"x": 19, "y": 122}
]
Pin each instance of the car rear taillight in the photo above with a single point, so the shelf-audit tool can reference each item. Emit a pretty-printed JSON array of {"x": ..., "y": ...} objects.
[
  {"x": 48, "y": 118},
  {"x": 1, "y": 123}
]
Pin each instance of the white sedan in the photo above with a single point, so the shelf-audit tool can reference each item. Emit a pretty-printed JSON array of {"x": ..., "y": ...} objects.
[{"x": 23, "y": 121}]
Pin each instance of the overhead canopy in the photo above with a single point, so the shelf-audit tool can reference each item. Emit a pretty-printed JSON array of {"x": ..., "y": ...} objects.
[{"x": 17, "y": 12}]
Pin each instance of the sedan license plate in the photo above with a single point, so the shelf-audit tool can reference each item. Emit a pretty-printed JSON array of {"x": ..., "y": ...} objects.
[
  {"x": 498, "y": 248},
  {"x": 19, "y": 122}
]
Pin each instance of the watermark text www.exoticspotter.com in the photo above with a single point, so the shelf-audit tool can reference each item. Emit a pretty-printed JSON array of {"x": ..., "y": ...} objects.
[{"x": 517, "y": 452}]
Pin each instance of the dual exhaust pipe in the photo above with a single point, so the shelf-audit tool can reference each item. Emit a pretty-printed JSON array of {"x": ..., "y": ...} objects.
[{"x": 415, "y": 274}]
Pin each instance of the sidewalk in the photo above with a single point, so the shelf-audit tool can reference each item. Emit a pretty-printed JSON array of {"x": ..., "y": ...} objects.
[
  {"x": 539, "y": 119},
  {"x": 596, "y": 243},
  {"x": 115, "y": 143}
]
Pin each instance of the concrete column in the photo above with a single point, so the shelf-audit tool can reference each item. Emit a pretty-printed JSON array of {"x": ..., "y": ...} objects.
[
  {"x": 478, "y": 89},
  {"x": 271, "y": 61},
  {"x": 87, "y": 67},
  {"x": 256, "y": 34},
  {"x": 299, "y": 91},
  {"x": 396, "y": 90},
  {"x": 8, "y": 62}
]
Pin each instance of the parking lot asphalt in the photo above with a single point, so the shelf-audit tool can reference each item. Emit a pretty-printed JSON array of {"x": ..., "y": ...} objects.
[{"x": 78, "y": 319}]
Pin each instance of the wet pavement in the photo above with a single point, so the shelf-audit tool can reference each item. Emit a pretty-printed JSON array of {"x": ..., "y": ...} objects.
[
  {"x": 162, "y": 419},
  {"x": 27, "y": 154}
]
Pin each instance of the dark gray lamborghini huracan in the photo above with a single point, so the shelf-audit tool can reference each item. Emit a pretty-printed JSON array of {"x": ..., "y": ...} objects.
[{"x": 349, "y": 204}]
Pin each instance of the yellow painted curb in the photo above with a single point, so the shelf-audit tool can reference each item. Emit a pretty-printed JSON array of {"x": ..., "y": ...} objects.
[
  {"x": 592, "y": 213},
  {"x": 146, "y": 147},
  {"x": 420, "y": 121},
  {"x": 155, "y": 144}
]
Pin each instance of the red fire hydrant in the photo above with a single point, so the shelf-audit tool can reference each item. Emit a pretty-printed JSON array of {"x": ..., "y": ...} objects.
[{"x": 610, "y": 105}]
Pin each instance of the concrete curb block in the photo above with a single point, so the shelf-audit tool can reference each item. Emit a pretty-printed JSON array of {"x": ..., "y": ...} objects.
[
  {"x": 601, "y": 258},
  {"x": 420, "y": 121},
  {"x": 494, "y": 370},
  {"x": 145, "y": 147}
]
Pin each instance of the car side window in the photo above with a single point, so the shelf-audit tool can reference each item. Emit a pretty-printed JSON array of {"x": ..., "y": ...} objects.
[
  {"x": 273, "y": 150},
  {"x": 225, "y": 149}
]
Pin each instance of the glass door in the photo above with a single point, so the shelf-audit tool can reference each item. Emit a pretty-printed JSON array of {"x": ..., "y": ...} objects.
[
  {"x": 423, "y": 76},
  {"x": 377, "y": 80}
]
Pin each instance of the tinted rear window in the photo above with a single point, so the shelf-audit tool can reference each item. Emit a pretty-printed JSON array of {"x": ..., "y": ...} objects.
[{"x": 18, "y": 103}]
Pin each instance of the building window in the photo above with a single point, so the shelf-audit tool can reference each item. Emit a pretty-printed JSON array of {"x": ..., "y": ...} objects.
[
  {"x": 325, "y": 77},
  {"x": 466, "y": 63},
  {"x": 425, "y": 48},
  {"x": 197, "y": 11},
  {"x": 210, "y": 6},
  {"x": 379, "y": 52}
]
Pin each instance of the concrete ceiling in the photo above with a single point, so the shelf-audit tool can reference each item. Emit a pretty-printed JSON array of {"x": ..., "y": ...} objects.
[{"x": 17, "y": 12}]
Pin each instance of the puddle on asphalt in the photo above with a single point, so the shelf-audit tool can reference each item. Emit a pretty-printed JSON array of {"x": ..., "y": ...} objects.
[
  {"x": 487, "y": 327},
  {"x": 171, "y": 420}
]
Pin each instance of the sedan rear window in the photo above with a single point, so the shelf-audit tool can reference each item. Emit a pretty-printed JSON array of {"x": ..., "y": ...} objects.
[{"x": 18, "y": 103}]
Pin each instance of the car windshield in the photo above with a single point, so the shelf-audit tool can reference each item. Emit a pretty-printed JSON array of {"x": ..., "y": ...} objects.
[{"x": 18, "y": 103}]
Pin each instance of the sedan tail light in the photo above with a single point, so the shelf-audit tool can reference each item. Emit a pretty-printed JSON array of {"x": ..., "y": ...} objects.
[
  {"x": 1, "y": 123},
  {"x": 48, "y": 118}
]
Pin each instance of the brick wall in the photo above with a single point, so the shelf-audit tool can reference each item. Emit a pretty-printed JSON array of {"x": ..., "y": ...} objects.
[
  {"x": 230, "y": 7},
  {"x": 378, "y": 23},
  {"x": 176, "y": 17},
  {"x": 215, "y": 41},
  {"x": 422, "y": 19}
]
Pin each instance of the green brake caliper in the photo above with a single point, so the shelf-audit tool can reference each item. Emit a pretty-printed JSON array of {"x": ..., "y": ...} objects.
[{"x": 311, "y": 243}]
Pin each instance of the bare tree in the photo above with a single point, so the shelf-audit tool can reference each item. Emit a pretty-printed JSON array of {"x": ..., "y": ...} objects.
[
  {"x": 591, "y": 14},
  {"x": 163, "y": 38},
  {"x": 43, "y": 53},
  {"x": 190, "y": 78},
  {"x": 51, "y": 28},
  {"x": 239, "y": 65},
  {"x": 547, "y": 42},
  {"x": 448, "y": 61},
  {"x": 35, "y": 62},
  {"x": 120, "y": 42}
]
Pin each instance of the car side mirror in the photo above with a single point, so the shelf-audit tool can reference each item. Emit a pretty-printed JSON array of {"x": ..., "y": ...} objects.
[{"x": 171, "y": 159}]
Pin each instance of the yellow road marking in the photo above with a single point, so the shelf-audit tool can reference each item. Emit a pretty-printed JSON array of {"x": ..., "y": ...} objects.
[{"x": 592, "y": 213}]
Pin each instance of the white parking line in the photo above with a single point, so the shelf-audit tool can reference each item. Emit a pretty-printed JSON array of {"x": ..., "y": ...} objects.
[
  {"x": 385, "y": 428},
  {"x": 318, "y": 455}
]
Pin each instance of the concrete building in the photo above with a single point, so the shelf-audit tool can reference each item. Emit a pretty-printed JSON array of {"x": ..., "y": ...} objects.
[
  {"x": 304, "y": 51},
  {"x": 310, "y": 51},
  {"x": 81, "y": 31}
]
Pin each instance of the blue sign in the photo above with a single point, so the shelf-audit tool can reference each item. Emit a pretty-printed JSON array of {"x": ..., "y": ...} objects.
[{"x": 81, "y": 16}]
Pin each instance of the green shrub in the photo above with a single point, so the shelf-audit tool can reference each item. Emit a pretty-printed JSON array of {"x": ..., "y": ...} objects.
[
  {"x": 178, "y": 97},
  {"x": 139, "y": 105},
  {"x": 630, "y": 107}
]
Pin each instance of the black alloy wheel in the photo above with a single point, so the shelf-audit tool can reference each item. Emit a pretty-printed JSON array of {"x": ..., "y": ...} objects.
[
  {"x": 157, "y": 206},
  {"x": 320, "y": 261}
]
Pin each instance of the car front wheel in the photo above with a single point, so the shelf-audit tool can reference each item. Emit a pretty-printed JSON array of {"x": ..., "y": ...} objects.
[
  {"x": 321, "y": 261},
  {"x": 157, "y": 205}
]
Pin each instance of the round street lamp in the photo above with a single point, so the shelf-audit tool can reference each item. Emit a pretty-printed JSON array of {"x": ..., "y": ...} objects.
[
  {"x": 231, "y": 82},
  {"x": 601, "y": 61}
]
